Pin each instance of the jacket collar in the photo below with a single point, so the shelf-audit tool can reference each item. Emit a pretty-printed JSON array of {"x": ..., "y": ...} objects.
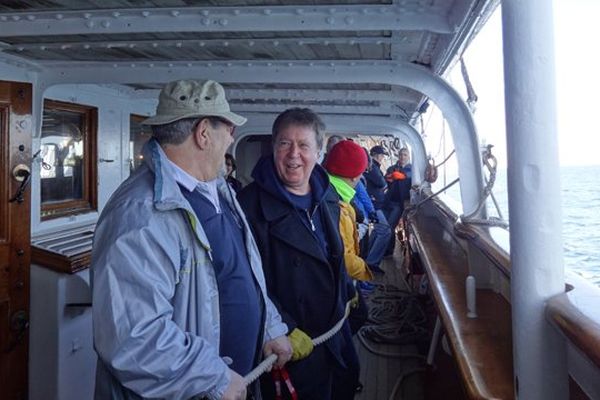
[
  {"x": 282, "y": 216},
  {"x": 167, "y": 194}
]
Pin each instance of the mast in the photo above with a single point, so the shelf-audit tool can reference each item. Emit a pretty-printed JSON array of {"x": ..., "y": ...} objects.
[{"x": 540, "y": 362}]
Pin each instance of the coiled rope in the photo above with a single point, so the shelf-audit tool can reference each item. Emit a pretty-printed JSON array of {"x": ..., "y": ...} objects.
[
  {"x": 268, "y": 362},
  {"x": 395, "y": 317}
]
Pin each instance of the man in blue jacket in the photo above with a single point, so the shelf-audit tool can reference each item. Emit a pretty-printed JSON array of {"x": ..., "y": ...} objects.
[{"x": 180, "y": 307}]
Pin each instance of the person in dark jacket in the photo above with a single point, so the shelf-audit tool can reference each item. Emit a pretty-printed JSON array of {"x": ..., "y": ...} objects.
[
  {"x": 399, "y": 180},
  {"x": 295, "y": 215},
  {"x": 376, "y": 183},
  {"x": 403, "y": 166},
  {"x": 230, "y": 168}
]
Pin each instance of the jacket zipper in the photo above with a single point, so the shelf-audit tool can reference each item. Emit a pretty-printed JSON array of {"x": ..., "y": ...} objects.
[{"x": 310, "y": 218}]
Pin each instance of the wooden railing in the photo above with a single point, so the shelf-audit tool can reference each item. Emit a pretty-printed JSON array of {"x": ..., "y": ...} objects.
[
  {"x": 482, "y": 346},
  {"x": 576, "y": 313}
]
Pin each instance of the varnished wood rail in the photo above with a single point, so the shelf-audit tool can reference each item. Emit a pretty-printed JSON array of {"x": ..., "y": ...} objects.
[{"x": 482, "y": 346}]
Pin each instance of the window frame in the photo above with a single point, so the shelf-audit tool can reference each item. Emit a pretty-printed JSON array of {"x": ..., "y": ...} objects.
[
  {"x": 131, "y": 157},
  {"x": 4, "y": 176},
  {"x": 89, "y": 201}
]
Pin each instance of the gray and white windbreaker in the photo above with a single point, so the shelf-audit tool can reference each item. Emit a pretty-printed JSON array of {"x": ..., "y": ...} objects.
[{"x": 155, "y": 298}]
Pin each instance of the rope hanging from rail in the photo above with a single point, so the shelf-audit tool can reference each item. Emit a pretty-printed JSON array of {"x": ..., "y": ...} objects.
[{"x": 490, "y": 162}]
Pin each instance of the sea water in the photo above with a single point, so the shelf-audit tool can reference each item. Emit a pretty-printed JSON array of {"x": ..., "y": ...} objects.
[
  {"x": 580, "y": 199},
  {"x": 580, "y": 193}
]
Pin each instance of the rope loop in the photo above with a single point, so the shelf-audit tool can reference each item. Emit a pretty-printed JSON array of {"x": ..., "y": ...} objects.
[
  {"x": 268, "y": 362},
  {"x": 491, "y": 163}
]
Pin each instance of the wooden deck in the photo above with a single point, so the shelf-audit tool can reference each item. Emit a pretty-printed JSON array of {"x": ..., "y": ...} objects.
[{"x": 379, "y": 374}]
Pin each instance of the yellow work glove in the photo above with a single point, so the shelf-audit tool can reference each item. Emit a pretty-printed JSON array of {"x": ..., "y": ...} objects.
[
  {"x": 302, "y": 346},
  {"x": 354, "y": 301}
]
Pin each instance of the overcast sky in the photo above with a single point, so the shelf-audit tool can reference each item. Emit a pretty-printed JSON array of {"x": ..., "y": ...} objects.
[{"x": 577, "y": 27}]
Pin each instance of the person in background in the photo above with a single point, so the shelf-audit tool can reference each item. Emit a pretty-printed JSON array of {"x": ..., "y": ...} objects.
[
  {"x": 179, "y": 312},
  {"x": 403, "y": 166},
  {"x": 332, "y": 141},
  {"x": 295, "y": 217},
  {"x": 398, "y": 177},
  {"x": 379, "y": 236},
  {"x": 230, "y": 168},
  {"x": 345, "y": 165},
  {"x": 376, "y": 183}
]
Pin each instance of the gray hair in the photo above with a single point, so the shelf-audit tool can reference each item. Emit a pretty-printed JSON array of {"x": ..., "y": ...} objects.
[
  {"x": 300, "y": 117},
  {"x": 177, "y": 132},
  {"x": 332, "y": 141}
]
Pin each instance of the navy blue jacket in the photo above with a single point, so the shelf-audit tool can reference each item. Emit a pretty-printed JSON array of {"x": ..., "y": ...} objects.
[
  {"x": 376, "y": 184},
  {"x": 308, "y": 286}
]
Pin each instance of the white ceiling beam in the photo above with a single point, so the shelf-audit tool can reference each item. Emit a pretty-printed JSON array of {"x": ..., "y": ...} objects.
[
  {"x": 298, "y": 95},
  {"x": 164, "y": 71},
  {"x": 396, "y": 42},
  {"x": 227, "y": 19},
  {"x": 384, "y": 109},
  {"x": 132, "y": 44},
  {"x": 19, "y": 62}
]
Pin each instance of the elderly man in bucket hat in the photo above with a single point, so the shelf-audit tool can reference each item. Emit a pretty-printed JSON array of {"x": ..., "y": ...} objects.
[{"x": 180, "y": 308}]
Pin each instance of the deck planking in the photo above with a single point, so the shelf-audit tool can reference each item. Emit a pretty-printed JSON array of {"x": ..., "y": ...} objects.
[{"x": 379, "y": 373}]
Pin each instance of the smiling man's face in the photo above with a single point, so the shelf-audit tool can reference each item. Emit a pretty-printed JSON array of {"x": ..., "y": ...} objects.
[{"x": 295, "y": 154}]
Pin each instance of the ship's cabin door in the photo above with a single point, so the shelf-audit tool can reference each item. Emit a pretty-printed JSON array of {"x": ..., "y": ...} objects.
[{"x": 15, "y": 168}]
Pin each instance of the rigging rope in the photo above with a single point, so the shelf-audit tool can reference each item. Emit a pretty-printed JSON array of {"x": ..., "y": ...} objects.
[
  {"x": 431, "y": 196},
  {"x": 431, "y": 170},
  {"x": 268, "y": 362},
  {"x": 491, "y": 163},
  {"x": 446, "y": 159},
  {"x": 471, "y": 95}
]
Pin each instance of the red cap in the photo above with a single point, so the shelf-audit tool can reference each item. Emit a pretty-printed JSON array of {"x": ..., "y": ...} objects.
[{"x": 346, "y": 159}]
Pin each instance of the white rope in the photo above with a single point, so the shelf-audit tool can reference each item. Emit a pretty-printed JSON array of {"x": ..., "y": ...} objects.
[
  {"x": 268, "y": 362},
  {"x": 491, "y": 163}
]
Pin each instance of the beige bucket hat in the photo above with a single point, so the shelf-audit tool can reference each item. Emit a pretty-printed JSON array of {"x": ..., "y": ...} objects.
[{"x": 192, "y": 98}]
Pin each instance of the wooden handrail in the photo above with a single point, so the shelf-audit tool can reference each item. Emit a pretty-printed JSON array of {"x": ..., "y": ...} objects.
[
  {"x": 577, "y": 314},
  {"x": 482, "y": 346}
]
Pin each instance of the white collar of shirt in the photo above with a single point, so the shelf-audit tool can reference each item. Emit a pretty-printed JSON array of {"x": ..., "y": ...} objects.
[{"x": 207, "y": 189}]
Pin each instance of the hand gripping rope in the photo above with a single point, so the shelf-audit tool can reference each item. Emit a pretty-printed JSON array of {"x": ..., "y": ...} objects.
[{"x": 268, "y": 362}]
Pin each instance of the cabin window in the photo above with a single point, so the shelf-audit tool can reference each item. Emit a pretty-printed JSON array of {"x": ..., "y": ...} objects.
[
  {"x": 68, "y": 166},
  {"x": 138, "y": 136}
]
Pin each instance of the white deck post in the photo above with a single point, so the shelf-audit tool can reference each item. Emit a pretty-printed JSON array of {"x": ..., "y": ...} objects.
[{"x": 540, "y": 362}]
